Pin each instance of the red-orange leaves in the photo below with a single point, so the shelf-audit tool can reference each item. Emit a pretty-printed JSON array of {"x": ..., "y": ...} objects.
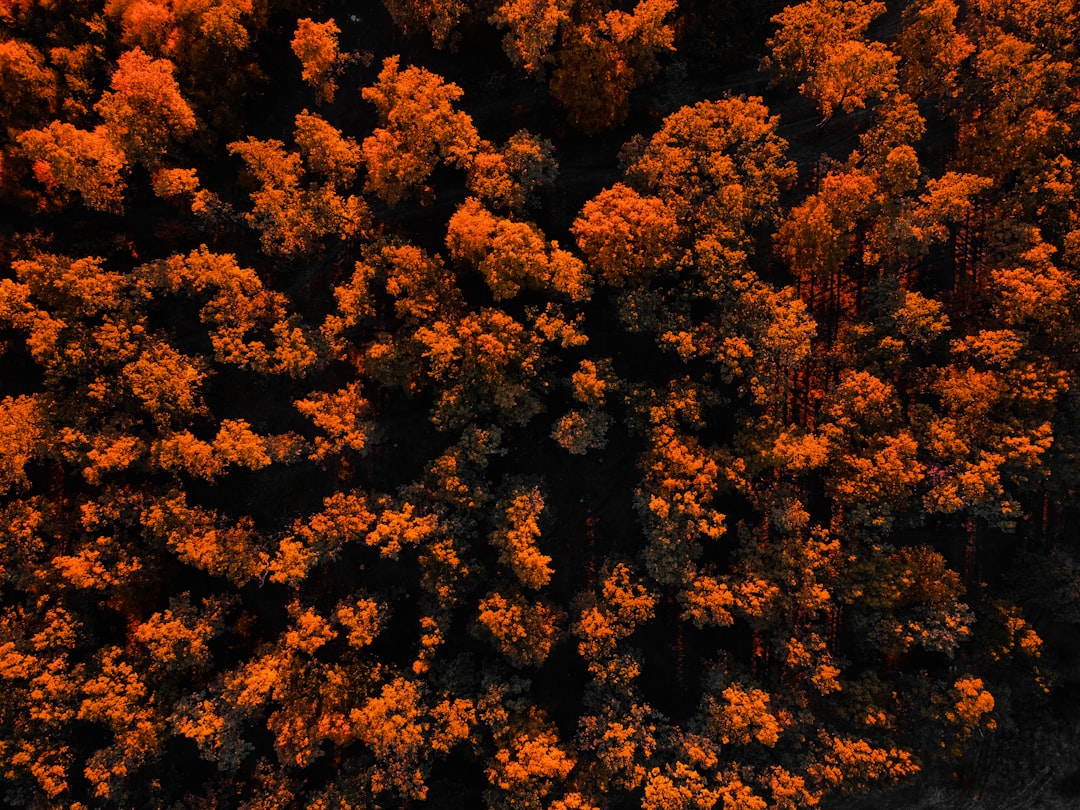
[
  {"x": 251, "y": 325},
  {"x": 394, "y": 726},
  {"x": 200, "y": 538},
  {"x": 511, "y": 254},
  {"x": 77, "y": 160},
  {"x": 675, "y": 502},
  {"x": 145, "y": 113},
  {"x": 626, "y": 237},
  {"x": 292, "y": 216},
  {"x": 529, "y": 763},
  {"x": 741, "y": 716},
  {"x": 485, "y": 360},
  {"x": 524, "y": 632},
  {"x": 398, "y": 526},
  {"x": 341, "y": 416},
  {"x": 820, "y": 44},
  {"x": 532, "y": 30},
  {"x": 21, "y": 432},
  {"x": 419, "y": 128},
  {"x": 719, "y": 164},
  {"x": 509, "y": 177},
  {"x": 325, "y": 150},
  {"x": 437, "y": 17},
  {"x": 516, "y": 535},
  {"x": 850, "y": 763},
  {"x": 316, "y": 46}
]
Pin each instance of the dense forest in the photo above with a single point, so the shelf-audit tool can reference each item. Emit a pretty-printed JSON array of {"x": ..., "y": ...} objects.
[{"x": 540, "y": 404}]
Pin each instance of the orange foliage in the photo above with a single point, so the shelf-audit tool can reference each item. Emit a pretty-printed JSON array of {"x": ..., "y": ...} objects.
[
  {"x": 144, "y": 112},
  {"x": 77, "y": 160},
  {"x": 316, "y": 46},
  {"x": 420, "y": 128}
]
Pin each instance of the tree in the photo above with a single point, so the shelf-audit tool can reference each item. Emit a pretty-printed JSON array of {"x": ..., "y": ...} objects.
[
  {"x": 516, "y": 533},
  {"x": 524, "y": 632},
  {"x": 144, "y": 112},
  {"x": 533, "y": 30},
  {"x": 511, "y": 254},
  {"x": 615, "y": 51},
  {"x": 932, "y": 49},
  {"x": 719, "y": 165},
  {"x": 626, "y": 237},
  {"x": 27, "y": 84},
  {"x": 295, "y": 216},
  {"x": 820, "y": 44},
  {"x": 22, "y": 431},
  {"x": 438, "y": 17},
  {"x": 74, "y": 159},
  {"x": 508, "y": 178},
  {"x": 316, "y": 46},
  {"x": 420, "y": 128}
]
